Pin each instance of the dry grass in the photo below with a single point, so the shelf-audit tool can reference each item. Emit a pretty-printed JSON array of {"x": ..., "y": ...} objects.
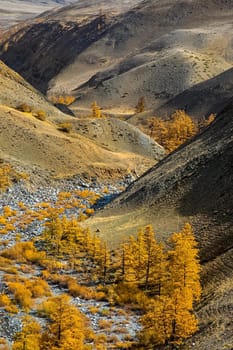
[{"x": 36, "y": 144}]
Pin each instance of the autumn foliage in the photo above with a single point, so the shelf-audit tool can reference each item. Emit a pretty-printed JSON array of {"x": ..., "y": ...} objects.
[
  {"x": 96, "y": 111},
  {"x": 173, "y": 132},
  {"x": 162, "y": 280},
  {"x": 8, "y": 176},
  {"x": 62, "y": 99},
  {"x": 169, "y": 318}
]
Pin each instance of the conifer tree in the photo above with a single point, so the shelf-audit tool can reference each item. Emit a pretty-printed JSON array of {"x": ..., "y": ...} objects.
[
  {"x": 168, "y": 320},
  {"x": 53, "y": 235},
  {"x": 96, "y": 112},
  {"x": 184, "y": 265},
  {"x": 103, "y": 260},
  {"x": 67, "y": 326},
  {"x": 144, "y": 260},
  {"x": 30, "y": 336},
  {"x": 170, "y": 317}
]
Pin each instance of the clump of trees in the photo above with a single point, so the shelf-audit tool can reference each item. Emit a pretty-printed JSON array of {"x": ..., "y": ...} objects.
[
  {"x": 67, "y": 327},
  {"x": 164, "y": 282},
  {"x": 173, "y": 132},
  {"x": 160, "y": 279},
  {"x": 62, "y": 99},
  {"x": 169, "y": 317}
]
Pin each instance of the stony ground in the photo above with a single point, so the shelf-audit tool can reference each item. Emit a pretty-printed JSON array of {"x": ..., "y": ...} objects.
[{"x": 120, "y": 324}]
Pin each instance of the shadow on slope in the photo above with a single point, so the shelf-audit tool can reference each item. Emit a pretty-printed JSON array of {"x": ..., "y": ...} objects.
[
  {"x": 202, "y": 99},
  {"x": 195, "y": 184}
]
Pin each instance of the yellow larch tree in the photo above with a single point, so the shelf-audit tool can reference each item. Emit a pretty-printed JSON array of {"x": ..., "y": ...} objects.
[
  {"x": 155, "y": 260},
  {"x": 96, "y": 112},
  {"x": 52, "y": 235},
  {"x": 30, "y": 336},
  {"x": 167, "y": 321},
  {"x": 143, "y": 261},
  {"x": 67, "y": 326},
  {"x": 180, "y": 128},
  {"x": 103, "y": 261},
  {"x": 184, "y": 266},
  {"x": 170, "y": 317}
]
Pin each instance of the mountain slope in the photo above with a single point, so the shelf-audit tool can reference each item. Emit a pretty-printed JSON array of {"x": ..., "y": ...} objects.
[
  {"x": 14, "y": 90},
  {"x": 194, "y": 184},
  {"x": 43, "y": 150},
  {"x": 204, "y": 98},
  {"x": 152, "y": 50},
  {"x": 14, "y": 11},
  {"x": 189, "y": 184},
  {"x": 56, "y": 38}
]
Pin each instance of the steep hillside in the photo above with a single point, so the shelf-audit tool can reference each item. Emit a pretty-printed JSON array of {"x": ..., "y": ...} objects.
[
  {"x": 53, "y": 40},
  {"x": 40, "y": 149},
  {"x": 105, "y": 148},
  {"x": 14, "y": 90},
  {"x": 152, "y": 50},
  {"x": 204, "y": 98},
  {"x": 194, "y": 184},
  {"x": 118, "y": 136},
  {"x": 14, "y": 11}
]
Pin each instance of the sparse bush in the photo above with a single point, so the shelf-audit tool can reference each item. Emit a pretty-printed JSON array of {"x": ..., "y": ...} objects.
[
  {"x": 65, "y": 127},
  {"x": 80, "y": 291},
  {"x": 105, "y": 312},
  {"x": 4, "y": 344},
  {"x": 105, "y": 324},
  {"x": 93, "y": 309},
  {"x": 12, "y": 309},
  {"x": 24, "y": 107},
  {"x": 38, "y": 288},
  {"x": 140, "y": 107},
  {"x": 8, "y": 176},
  {"x": 22, "y": 295},
  {"x": 23, "y": 252},
  {"x": 123, "y": 345},
  {"x": 4, "y": 300},
  {"x": 41, "y": 115},
  {"x": 89, "y": 211}
]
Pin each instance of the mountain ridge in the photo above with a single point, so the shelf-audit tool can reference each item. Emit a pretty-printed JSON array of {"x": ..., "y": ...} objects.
[{"x": 151, "y": 50}]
